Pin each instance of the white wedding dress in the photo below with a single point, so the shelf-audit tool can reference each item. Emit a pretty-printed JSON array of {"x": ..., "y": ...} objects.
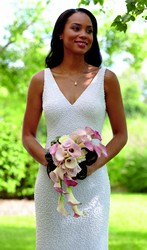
[{"x": 55, "y": 231}]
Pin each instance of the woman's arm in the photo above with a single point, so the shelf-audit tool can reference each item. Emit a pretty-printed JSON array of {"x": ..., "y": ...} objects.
[
  {"x": 115, "y": 110},
  {"x": 32, "y": 117}
]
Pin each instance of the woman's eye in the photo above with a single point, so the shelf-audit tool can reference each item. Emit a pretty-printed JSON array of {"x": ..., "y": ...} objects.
[
  {"x": 76, "y": 28},
  {"x": 89, "y": 31}
]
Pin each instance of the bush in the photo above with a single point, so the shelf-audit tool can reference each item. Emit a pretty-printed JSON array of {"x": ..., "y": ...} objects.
[
  {"x": 128, "y": 171},
  {"x": 17, "y": 169}
]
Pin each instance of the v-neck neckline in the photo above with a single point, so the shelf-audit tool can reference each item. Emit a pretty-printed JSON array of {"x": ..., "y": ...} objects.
[{"x": 83, "y": 92}]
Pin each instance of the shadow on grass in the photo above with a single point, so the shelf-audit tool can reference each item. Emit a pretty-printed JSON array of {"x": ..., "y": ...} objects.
[
  {"x": 127, "y": 240},
  {"x": 14, "y": 238}
]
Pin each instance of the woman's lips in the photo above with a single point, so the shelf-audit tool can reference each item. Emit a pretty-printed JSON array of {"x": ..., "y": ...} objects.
[{"x": 81, "y": 43}]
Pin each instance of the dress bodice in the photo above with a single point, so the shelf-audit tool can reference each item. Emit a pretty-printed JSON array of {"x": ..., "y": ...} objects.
[{"x": 62, "y": 117}]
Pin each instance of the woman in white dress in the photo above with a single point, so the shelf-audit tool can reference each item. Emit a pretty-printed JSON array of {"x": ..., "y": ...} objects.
[{"x": 74, "y": 91}]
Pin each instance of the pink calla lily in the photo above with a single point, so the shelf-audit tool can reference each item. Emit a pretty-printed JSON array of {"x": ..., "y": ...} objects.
[
  {"x": 70, "y": 163},
  {"x": 53, "y": 148},
  {"x": 77, "y": 212},
  {"x": 58, "y": 188},
  {"x": 60, "y": 208},
  {"x": 54, "y": 176},
  {"x": 100, "y": 149},
  {"x": 61, "y": 154},
  {"x": 89, "y": 145},
  {"x": 68, "y": 151},
  {"x": 70, "y": 197},
  {"x": 72, "y": 172},
  {"x": 73, "y": 149},
  {"x": 93, "y": 133},
  {"x": 68, "y": 181}
]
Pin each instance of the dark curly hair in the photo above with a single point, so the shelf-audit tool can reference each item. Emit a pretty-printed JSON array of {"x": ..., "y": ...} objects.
[{"x": 55, "y": 56}]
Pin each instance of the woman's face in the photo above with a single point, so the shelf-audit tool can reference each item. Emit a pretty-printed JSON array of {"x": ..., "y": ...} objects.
[{"x": 77, "y": 35}]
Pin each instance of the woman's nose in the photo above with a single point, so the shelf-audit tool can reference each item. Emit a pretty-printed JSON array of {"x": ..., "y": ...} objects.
[{"x": 83, "y": 34}]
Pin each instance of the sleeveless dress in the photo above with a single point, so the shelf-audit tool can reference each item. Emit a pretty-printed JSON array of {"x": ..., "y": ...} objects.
[{"x": 55, "y": 231}]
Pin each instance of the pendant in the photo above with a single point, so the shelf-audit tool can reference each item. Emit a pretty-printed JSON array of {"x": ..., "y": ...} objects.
[{"x": 75, "y": 83}]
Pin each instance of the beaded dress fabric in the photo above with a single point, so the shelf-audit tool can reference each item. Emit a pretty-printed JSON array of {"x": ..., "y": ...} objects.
[{"x": 55, "y": 231}]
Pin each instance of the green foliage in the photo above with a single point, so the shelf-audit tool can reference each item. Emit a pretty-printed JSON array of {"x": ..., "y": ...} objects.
[
  {"x": 17, "y": 168},
  {"x": 132, "y": 103},
  {"x": 128, "y": 169},
  {"x": 115, "y": 44},
  {"x": 23, "y": 52},
  {"x": 134, "y": 8},
  {"x": 87, "y": 2}
]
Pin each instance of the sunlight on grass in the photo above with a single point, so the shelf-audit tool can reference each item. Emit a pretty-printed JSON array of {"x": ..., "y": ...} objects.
[
  {"x": 128, "y": 217},
  {"x": 17, "y": 232},
  {"x": 128, "y": 226}
]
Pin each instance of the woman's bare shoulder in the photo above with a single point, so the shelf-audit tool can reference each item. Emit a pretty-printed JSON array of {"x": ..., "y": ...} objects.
[
  {"x": 37, "y": 81},
  {"x": 110, "y": 75},
  {"x": 38, "y": 76},
  {"x": 111, "y": 80}
]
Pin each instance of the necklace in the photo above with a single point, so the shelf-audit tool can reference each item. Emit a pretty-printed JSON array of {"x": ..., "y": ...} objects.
[{"x": 75, "y": 82}]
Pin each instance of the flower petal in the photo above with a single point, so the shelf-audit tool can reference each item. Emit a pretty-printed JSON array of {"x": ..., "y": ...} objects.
[
  {"x": 54, "y": 176},
  {"x": 74, "y": 150},
  {"x": 100, "y": 149},
  {"x": 94, "y": 134},
  {"x": 72, "y": 172},
  {"x": 53, "y": 148},
  {"x": 68, "y": 181},
  {"x": 63, "y": 138},
  {"x": 61, "y": 154},
  {"x": 70, "y": 162},
  {"x": 89, "y": 145},
  {"x": 60, "y": 208},
  {"x": 58, "y": 188},
  {"x": 70, "y": 197},
  {"x": 77, "y": 212}
]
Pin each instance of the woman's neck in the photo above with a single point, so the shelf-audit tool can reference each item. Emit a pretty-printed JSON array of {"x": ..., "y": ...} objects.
[{"x": 74, "y": 65}]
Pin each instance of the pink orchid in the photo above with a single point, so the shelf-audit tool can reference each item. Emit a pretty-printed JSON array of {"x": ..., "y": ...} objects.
[
  {"x": 60, "y": 208},
  {"x": 68, "y": 181},
  {"x": 70, "y": 197}
]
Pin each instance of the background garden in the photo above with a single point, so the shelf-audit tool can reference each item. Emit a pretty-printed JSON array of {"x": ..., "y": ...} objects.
[{"x": 24, "y": 45}]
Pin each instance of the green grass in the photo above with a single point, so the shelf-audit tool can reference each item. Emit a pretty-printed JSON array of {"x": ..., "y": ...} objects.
[
  {"x": 17, "y": 232},
  {"x": 128, "y": 222},
  {"x": 128, "y": 226}
]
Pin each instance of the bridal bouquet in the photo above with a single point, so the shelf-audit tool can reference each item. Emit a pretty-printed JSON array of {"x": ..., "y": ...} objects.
[{"x": 68, "y": 159}]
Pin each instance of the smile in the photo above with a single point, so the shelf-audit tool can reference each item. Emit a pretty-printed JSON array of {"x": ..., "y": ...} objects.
[{"x": 81, "y": 43}]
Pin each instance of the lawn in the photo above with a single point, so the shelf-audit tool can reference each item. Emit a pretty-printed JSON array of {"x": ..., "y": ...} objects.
[{"x": 128, "y": 226}]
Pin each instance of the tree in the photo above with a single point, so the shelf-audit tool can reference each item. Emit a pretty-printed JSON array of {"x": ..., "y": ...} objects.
[
  {"x": 134, "y": 8},
  {"x": 23, "y": 49}
]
